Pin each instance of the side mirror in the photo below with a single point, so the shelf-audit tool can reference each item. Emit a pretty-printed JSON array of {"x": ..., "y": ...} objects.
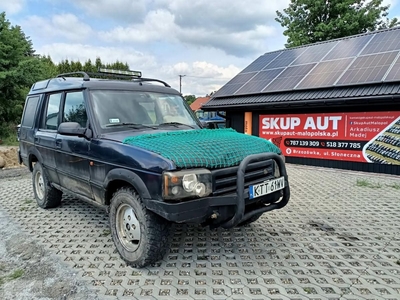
[{"x": 74, "y": 129}]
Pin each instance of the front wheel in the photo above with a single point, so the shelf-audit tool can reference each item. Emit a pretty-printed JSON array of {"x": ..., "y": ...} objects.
[
  {"x": 46, "y": 195},
  {"x": 140, "y": 236}
]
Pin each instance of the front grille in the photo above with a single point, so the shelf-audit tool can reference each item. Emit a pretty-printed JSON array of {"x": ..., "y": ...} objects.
[{"x": 224, "y": 180}]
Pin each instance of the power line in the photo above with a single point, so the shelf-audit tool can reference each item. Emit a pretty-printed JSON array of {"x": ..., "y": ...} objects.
[
  {"x": 209, "y": 77},
  {"x": 203, "y": 77}
]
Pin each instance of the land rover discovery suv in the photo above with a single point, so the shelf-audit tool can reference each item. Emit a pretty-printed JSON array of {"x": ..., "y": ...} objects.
[{"x": 132, "y": 146}]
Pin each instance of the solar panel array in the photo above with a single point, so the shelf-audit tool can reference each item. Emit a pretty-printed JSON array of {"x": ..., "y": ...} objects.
[{"x": 363, "y": 59}]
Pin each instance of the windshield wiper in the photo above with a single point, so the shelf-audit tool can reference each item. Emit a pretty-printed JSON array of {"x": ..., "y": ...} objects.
[
  {"x": 134, "y": 125},
  {"x": 176, "y": 124}
]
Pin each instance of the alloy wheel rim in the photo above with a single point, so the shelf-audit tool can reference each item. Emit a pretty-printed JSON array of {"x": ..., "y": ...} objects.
[
  {"x": 128, "y": 227},
  {"x": 39, "y": 185}
]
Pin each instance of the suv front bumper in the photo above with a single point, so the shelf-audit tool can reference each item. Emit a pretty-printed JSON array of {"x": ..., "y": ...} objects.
[{"x": 226, "y": 211}]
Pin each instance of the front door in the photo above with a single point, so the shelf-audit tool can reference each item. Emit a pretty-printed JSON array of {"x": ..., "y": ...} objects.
[
  {"x": 45, "y": 136},
  {"x": 71, "y": 151}
]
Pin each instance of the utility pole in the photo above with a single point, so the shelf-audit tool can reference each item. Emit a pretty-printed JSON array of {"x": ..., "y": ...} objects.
[{"x": 180, "y": 83}]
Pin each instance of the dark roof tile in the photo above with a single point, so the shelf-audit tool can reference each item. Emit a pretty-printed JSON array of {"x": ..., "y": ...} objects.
[{"x": 319, "y": 96}]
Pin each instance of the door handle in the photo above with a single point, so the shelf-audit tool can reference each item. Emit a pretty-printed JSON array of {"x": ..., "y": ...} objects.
[
  {"x": 37, "y": 139},
  {"x": 58, "y": 143}
]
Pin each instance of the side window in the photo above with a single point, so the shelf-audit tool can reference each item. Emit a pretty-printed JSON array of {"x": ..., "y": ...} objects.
[
  {"x": 52, "y": 111},
  {"x": 74, "y": 109},
  {"x": 29, "y": 111}
]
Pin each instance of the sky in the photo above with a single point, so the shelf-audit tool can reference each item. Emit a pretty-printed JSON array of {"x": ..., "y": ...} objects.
[{"x": 208, "y": 42}]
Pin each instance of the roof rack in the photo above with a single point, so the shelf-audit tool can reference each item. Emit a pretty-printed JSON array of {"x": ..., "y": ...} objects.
[
  {"x": 115, "y": 74},
  {"x": 85, "y": 75},
  {"x": 151, "y": 79}
]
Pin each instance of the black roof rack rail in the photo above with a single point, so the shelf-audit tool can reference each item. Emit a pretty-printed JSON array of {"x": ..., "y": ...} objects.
[
  {"x": 151, "y": 79},
  {"x": 85, "y": 75},
  {"x": 105, "y": 75}
]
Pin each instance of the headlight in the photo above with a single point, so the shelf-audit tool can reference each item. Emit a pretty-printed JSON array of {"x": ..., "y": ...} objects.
[
  {"x": 188, "y": 183},
  {"x": 276, "y": 167}
]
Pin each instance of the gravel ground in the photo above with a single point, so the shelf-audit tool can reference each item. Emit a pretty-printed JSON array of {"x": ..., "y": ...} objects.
[
  {"x": 337, "y": 239},
  {"x": 14, "y": 172},
  {"x": 27, "y": 270}
]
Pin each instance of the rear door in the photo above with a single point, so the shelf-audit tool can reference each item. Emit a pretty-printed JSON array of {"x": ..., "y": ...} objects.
[
  {"x": 72, "y": 151},
  {"x": 45, "y": 136},
  {"x": 27, "y": 129}
]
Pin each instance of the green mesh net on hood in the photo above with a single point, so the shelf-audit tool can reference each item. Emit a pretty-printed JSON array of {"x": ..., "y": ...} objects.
[{"x": 207, "y": 148}]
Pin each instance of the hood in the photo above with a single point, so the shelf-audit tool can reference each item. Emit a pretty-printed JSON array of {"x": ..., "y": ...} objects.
[
  {"x": 207, "y": 148},
  {"x": 120, "y": 136}
]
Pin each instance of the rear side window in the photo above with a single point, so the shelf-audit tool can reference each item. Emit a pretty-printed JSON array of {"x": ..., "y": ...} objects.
[
  {"x": 52, "y": 112},
  {"x": 74, "y": 109},
  {"x": 29, "y": 111}
]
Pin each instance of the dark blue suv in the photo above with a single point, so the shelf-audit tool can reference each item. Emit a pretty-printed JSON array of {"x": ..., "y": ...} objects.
[{"x": 132, "y": 146}]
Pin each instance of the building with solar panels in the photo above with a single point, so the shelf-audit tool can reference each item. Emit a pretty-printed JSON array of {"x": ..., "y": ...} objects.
[{"x": 333, "y": 104}]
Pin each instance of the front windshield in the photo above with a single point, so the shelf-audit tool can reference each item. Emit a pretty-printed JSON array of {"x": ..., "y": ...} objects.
[{"x": 115, "y": 108}]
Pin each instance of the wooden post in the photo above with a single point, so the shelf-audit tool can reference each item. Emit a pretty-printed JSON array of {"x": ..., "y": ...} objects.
[{"x": 248, "y": 121}]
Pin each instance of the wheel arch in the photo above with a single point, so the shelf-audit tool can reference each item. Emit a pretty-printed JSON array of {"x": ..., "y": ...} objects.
[
  {"x": 34, "y": 156},
  {"x": 118, "y": 178}
]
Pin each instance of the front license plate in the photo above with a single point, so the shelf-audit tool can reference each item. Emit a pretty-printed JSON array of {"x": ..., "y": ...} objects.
[{"x": 266, "y": 187}]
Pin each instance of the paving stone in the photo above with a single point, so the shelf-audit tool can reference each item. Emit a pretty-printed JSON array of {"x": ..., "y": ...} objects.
[{"x": 336, "y": 239}]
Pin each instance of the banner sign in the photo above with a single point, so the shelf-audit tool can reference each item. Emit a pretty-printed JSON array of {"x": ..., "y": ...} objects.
[{"x": 372, "y": 137}]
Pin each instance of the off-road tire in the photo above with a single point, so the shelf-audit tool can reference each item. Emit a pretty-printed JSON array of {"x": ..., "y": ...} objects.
[
  {"x": 251, "y": 220},
  {"x": 49, "y": 197},
  {"x": 154, "y": 230}
]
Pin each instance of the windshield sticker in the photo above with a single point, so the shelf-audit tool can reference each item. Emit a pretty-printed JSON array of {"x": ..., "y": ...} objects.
[{"x": 116, "y": 120}]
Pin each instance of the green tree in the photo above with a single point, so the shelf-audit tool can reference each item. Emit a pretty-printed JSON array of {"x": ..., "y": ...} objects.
[
  {"x": 19, "y": 69},
  {"x": 66, "y": 66},
  {"x": 310, "y": 21},
  {"x": 98, "y": 63},
  {"x": 77, "y": 114},
  {"x": 190, "y": 99},
  {"x": 88, "y": 66}
]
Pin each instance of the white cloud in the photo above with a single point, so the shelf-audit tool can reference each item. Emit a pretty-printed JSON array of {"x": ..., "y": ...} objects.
[
  {"x": 200, "y": 77},
  {"x": 231, "y": 15},
  {"x": 236, "y": 43},
  {"x": 12, "y": 7},
  {"x": 236, "y": 28},
  {"x": 158, "y": 25},
  {"x": 392, "y": 3},
  {"x": 64, "y": 26},
  {"x": 122, "y": 10}
]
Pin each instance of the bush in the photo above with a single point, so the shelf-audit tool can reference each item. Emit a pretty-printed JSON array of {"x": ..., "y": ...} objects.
[{"x": 8, "y": 136}]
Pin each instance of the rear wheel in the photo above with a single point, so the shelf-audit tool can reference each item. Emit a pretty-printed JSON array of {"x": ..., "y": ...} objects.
[
  {"x": 140, "y": 236},
  {"x": 46, "y": 195}
]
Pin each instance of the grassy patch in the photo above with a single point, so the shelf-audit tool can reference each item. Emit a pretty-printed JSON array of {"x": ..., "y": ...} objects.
[
  {"x": 377, "y": 185},
  {"x": 362, "y": 182},
  {"x": 308, "y": 290},
  {"x": 16, "y": 274},
  {"x": 366, "y": 183},
  {"x": 28, "y": 201},
  {"x": 10, "y": 141},
  {"x": 23, "y": 208},
  {"x": 106, "y": 233},
  {"x": 394, "y": 185}
]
